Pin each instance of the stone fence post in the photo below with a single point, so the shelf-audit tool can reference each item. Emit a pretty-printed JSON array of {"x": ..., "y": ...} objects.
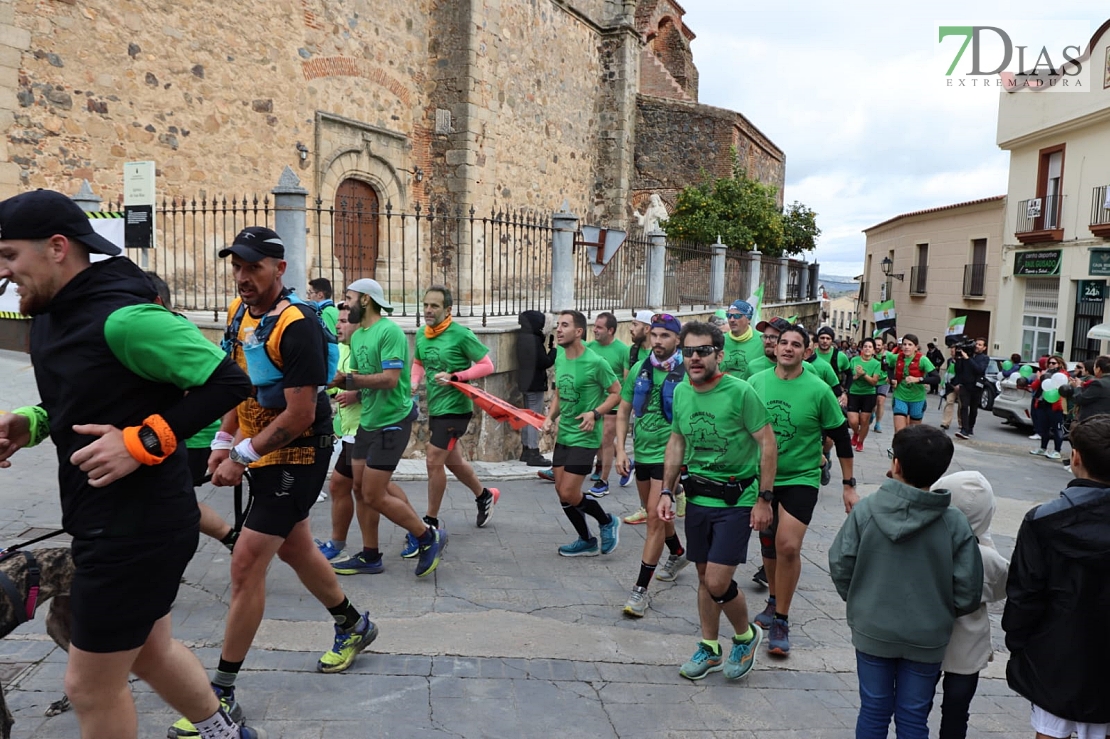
[
  {"x": 717, "y": 275},
  {"x": 814, "y": 281},
  {"x": 290, "y": 200},
  {"x": 784, "y": 278},
  {"x": 564, "y": 227},
  {"x": 656, "y": 268},
  {"x": 803, "y": 284},
  {"x": 755, "y": 274}
]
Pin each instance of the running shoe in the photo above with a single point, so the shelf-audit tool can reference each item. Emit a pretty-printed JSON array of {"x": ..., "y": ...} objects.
[
  {"x": 485, "y": 502},
  {"x": 855, "y": 439},
  {"x": 595, "y": 477},
  {"x": 859, "y": 446},
  {"x": 625, "y": 479},
  {"x": 670, "y": 569},
  {"x": 600, "y": 490},
  {"x": 347, "y": 645},
  {"x": 826, "y": 471},
  {"x": 1038, "y": 452},
  {"x": 961, "y": 434},
  {"x": 610, "y": 534},
  {"x": 430, "y": 553},
  {"x": 184, "y": 729},
  {"x": 702, "y": 663},
  {"x": 328, "y": 549},
  {"x": 741, "y": 658},
  {"x": 412, "y": 547},
  {"x": 878, "y": 429},
  {"x": 359, "y": 565},
  {"x": 546, "y": 475},
  {"x": 680, "y": 504},
  {"x": 760, "y": 577},
  {"x": 250, "y": 732},
  {"x": 1035, "y": 437},
  {"x": 640, "y": 516},
  {"x": 321, "y": 497},
  {"x": 779, "y": 641},
  {"x": 637, "y": 603},
  {"x": 580, "y": 548},
  {"x": 1053, "y": 455},
  {"x": 767, "y": 615}
]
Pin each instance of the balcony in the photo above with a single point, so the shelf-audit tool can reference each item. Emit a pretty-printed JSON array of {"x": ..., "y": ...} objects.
[
  {"x": 918, "y": 277},
  {"x": 975, "y": 281},
  {"x": 863, "y": 294},
  {"x": 1038, "y": 220},
  {"x": 1100, "y": 216}
]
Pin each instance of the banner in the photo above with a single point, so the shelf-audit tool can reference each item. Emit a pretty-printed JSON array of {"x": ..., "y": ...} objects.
[
  {"x": 1044, "y": 263},
  {"x": 956, "y": 326},
  {"x": 755, "y": 300},
  {"x": 884, "y": 315}
]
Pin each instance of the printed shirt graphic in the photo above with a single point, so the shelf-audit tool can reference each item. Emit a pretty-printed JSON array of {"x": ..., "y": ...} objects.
[
  {"x": 717, "y": 426},
  {"x": 583, "y": 385},
  {"x": 740, "y": 354},
  {"x": 652, "y": 429},
  {"x": 906, "y": 392},
  {"x": 615, "y": 353},
  {"x": 382, "y": 346},
  {"x": 455, "y": 350},
  {"x": 800, "y": 409},
  {"x": 826, "y": 357},
  {"x": 871, "y": 367}
]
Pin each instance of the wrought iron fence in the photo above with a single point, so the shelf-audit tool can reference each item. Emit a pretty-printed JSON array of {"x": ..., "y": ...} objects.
[
  {"x": 769, "y": 276},
  {"x": 738, "y": 276},
  {"x": 794, "y": 271},
  {"x": 622, "y": 283},
  {"x": 1100, "y": 214},
  {"x": 687, "y": 269},
  {"x": 975, "y": 280},
  {"x": 1039, "y": 214}
]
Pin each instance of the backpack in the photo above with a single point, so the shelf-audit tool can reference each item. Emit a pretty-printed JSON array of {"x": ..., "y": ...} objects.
[
  {"x": 645, "y": 380},
  {"x": 264, "y": 374}
]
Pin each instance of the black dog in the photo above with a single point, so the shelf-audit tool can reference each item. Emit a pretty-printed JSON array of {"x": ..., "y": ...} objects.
[{"x": 55, "y": 576}]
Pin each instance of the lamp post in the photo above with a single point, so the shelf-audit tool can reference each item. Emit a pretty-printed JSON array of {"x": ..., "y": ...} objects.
[{"x": 887, "y": 265}]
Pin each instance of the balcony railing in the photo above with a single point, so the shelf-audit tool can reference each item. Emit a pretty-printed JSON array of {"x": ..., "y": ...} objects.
[
  {"x": 864, "y": 296},
  {"x": 975, "y": 280},
  {"x": 1100, "y": 215},
  {"x": 918, "y": 277},
  {"x": 1038, "y": 220}
]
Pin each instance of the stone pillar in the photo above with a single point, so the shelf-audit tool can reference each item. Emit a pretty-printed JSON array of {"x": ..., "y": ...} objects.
[
  {"x": 717, "y": 275},
  {"x": 755, "y": 274},
  {"x": 803, "y": 285},
  {"x": 814, "y": 281},
  {"x": 290, "y": 200},
  {"x": 564, "y": 227},
  {"x": 86, "y": 198},
  {"x": 784, "y": 276},
  {"x": 656, "y": 265}
]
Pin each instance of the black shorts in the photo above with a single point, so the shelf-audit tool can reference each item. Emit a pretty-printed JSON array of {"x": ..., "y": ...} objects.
[
  {"x": 447, "y": 429},
  {"x": 122, "y": 586},
  {"x": 797, "y": 500},
  {"x": 862, "y": 403},
  {"x": 283, "y": 494},
  {"x": 576, "y": 460},
  {"x": 717, "y": 535},
  {"x": 343, "y": 461},
  {"x": 198, "y": 465},
  {"x": 645, "y": 472},
  {"x": 383, "y": 448}
]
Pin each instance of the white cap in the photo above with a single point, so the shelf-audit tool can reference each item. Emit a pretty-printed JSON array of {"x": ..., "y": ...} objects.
[
  {"x": 366, "y": 286},
  {"x": 643, "y": 316}
]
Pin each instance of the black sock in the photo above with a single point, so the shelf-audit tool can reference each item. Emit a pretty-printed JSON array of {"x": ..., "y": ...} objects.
[
  {"x": 674, "y": 545},
  {"x": 646, "y": 571},
  {"x": 226, "y": 673},
  {"x": 781, "y": 616},
  {"x": 591, "y": 507},
  {"x": 345, "y": 615},
  {"x": 577, "y": 520},
  {"x": 432, "y": 521},
  {"x": 427, "y": 538},
  {"x": 371, "y": 554}
]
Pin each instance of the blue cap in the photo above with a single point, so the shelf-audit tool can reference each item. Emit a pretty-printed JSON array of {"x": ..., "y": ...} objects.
[{"x": 744, "y": 307}]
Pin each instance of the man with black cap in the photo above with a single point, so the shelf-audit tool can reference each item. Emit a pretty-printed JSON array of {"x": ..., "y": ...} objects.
[
  {"x": 743, "y": 344},
  {"x": 122, "y": 382},
  {"x": 827, "y": 351},
  {"x": 283, "y": 433}
]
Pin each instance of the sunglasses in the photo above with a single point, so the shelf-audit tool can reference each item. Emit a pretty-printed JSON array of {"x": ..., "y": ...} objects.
[
  {"x": 736, "y": 316},
  {"x": 1053, "y": 364},
  {"x": 890, "y": 454},
  {"x": 701, "y": 351},
  {"x": 662, "y": 318}
]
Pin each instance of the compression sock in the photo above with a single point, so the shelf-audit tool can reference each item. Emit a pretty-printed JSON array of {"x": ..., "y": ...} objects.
[
  {"x": 226, "y": 673},
  {"x": 345, "y": 615},
  {"x": 217, "y": 726},
  {"x": 646, "y": 571},
  {"x": 674, "y": 545},
  {"x": 577, "y": 520},
  {"x": 591, "y": 507}
]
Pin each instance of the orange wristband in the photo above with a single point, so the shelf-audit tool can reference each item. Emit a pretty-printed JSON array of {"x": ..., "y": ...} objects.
[
  {"x": 166, "y": 438},
  {"x": 135, "y": 447}
]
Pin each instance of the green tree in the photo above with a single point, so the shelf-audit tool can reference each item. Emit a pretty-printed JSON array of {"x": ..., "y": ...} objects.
[{"x": 799, "y": 229}]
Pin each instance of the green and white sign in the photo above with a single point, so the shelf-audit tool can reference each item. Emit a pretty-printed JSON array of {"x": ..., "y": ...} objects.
[
  {"x": 1100, "y": 262},
  {"x": 1037, "y": 263},
  {"x": 1091, "y": 291}
]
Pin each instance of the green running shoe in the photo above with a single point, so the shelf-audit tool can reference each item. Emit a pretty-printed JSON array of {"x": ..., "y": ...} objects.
[
  {"x": 702, "y": 663},
  {"x": 347, "y": 645}
]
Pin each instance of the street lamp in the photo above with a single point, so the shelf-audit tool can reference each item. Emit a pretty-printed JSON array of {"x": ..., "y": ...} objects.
[{"x": 887, "y": 265}]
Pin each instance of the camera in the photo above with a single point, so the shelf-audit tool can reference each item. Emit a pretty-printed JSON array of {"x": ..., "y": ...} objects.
[{"x": 961, "y": 343}]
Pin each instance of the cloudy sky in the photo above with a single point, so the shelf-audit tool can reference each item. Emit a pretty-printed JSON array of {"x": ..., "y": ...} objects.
[{"x": 854, "y": 93}]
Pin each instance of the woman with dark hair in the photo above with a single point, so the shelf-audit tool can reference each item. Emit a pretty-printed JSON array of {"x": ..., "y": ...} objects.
[{"x": 1049, "y": 414}]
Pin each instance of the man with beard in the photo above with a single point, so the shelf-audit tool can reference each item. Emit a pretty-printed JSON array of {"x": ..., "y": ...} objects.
[
  {"x": 640, "y": 348},
  {"x": 616, "y": 353},
  {"x": 648, "y": 392},
  {"x": 742, "y": 343},
  {"x": 723, "y": 447},
  {"x": 123, "y": 384}
]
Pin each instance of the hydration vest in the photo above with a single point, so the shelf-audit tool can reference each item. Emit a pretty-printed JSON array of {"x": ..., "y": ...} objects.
[
  {"x": 645, "y": 380},
  {"x": 915, "y": 367}
]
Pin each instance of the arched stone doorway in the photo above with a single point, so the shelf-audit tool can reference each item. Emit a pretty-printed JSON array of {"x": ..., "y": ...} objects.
[{"x": 356, "y": 228}]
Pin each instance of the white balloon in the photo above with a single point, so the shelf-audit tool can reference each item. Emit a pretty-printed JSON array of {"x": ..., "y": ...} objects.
[{"x": 1057, "y": 381}]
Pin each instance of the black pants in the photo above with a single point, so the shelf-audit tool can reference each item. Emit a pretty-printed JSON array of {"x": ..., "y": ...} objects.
[
  {"x": 970, "y": 397},
  {"x": 956, "y": 705}
]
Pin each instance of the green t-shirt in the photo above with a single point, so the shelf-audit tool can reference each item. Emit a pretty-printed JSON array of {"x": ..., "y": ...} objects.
[
  {"x": 455, "y": 350},
  {"x": 739, "y": 354},
  {"x": 825, "y": 371},
  {"x": 615, "y": 353},
  {"x": 203, "y": 438},
  {"x": 329, "y": 314},
  {"x": 758, "y": 365},
  {"x": 374, "y": 349},
  {"x": 652, "y": 429},
  {"x": 909, "y": 392},
  {"x": 826, "y": 357},
  {"x": 582, "y": 384},
  {"x": 345, "y": 422},
  {"x": 800, "y": 409},
  {"x": 871, "y": 367},
  {"x": 717, "y": 425}
]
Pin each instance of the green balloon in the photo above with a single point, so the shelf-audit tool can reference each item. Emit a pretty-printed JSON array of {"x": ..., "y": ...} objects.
[
  {"x": 1051, "y": 395},
  {"x": 1026, "y": 371},
  {"x": 1007, "y": 366}
]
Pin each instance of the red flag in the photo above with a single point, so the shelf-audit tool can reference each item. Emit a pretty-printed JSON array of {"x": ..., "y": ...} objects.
[{"x": 500, "y": 410}]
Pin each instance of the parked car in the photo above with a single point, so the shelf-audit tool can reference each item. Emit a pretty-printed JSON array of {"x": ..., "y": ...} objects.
[
  {"x": 1012, "y": 403},
  {"x": 992, "y": 390}
]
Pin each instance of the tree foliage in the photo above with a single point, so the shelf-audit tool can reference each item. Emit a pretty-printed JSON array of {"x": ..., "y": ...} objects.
[{"x": 745, "y": 215}]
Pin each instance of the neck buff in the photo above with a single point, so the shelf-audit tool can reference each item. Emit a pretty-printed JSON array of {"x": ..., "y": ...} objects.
[
  {"x": 742, "y": 337},
  {"x": 669, "y": 363},
  {"x": 433, "y": 331}
]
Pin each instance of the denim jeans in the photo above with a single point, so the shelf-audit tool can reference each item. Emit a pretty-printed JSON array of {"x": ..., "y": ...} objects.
[
  {"x": 954, "y": 711},
  {"x": 529, "y": 435},
  {"x": 899, "y": 687}
]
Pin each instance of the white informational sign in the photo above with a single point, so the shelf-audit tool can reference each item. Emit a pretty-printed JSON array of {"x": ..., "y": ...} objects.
[
  {"x": 1033, "y": 208},
  {"x": 138, "y": 204}
]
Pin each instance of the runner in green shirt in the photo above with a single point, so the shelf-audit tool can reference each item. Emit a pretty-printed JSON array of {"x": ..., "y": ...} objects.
[
  {"x": 866, "y": 372},
  {"x": 743, "y": 344},
  {"x": 319, "y": 292},
  {"x": 803, "y": 410},
  {"x": 585, "y": 390},
  {"x": 642, "y": 394},
  {"x": 828, "y": 352},
  {"x": 908, "y": 370},
  {"x": 724, "y": 447},
  {"x": 447, "y": 351},
  {"x": 616, "y": 353}
]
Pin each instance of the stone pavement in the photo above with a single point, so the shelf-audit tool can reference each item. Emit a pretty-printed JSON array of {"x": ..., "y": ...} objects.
[{"x": 507, "y": 638}]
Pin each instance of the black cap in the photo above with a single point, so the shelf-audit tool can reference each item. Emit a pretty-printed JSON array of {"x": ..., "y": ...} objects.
[
  {"x": 41, "y": 214},
  {"x": 779, "y": 324},
  {"x": 826, "y": 331},
  {"x": 255, "y": 243}
]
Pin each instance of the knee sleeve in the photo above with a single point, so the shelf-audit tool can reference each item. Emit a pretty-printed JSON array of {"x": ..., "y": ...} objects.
[
  {"x": 731, "y": 593},
  {"x": 767, "y": 543}
]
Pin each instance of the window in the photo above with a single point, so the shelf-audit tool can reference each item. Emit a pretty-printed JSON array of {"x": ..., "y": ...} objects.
[
  {"x": 919, "y": 273},
  {"x": 975, "y": 273},
  {"x": 1038, "y": 322},
  {"x": 1050, "y": 178}
]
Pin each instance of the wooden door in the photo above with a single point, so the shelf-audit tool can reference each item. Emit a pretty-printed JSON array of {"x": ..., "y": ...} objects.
[{"x": 356, "y": 229}]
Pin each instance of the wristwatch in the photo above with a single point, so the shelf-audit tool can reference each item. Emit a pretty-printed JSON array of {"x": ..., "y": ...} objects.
[
  {"x": 597, "y": 414},
  {"x": 849, "y": 482},
  {"x": 767, "y": 495},
  {"x": 150, "y": 440},
  {"x": 349, "y": 381},
  {"x": 667, "y": 492},
  {"x": 238, "y": 458}
]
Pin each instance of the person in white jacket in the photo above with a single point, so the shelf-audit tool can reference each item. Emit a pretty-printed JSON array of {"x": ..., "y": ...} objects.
[{"x": 969, "y": 649}]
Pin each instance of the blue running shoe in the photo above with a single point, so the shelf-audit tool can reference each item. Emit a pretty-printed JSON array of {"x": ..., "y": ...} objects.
[
  {"x": 779, "y": 641},
  {"x": 741, "y": 658},
  {"x": 359, "y": 565},
  {"x": 412, "y": 547},
  {"x": 347, "y": 645},
  {"x": 328, "y": 549},
  {"x": 430, "y": 554},
  {"x": 878, "y": 428},
  {"x": 580, "y": 548},
  {"x": 595, "y": 477},
  {"x": 610, "y": 534},
  {"x": 547, "y": 474},
  {"x": 599, "y": 490},
  {"x": 702, "y": 663},
  {"x": 250, "y": 732},
  {"x": 625, "y": 479},
  {"x": 764, "y": 618}
]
